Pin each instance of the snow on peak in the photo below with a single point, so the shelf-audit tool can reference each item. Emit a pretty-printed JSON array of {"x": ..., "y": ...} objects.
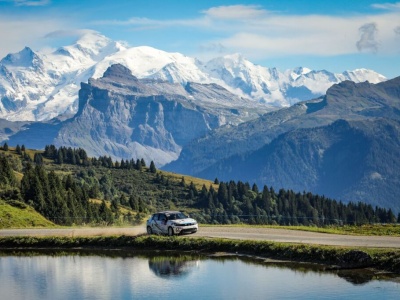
[
  {"x": 361, "y": 75},
  {"x": 235, "y": 58},
  {"x": 48, "y": 83},
  {"x": 301, "y": 70},
  {"x": 148, "y": 62},
  {"x": 96, "y": 45},
  {"x": 24, "y": 58}
]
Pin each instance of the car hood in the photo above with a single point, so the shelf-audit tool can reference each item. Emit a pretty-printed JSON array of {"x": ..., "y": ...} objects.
[{"x": 184, "y": 221}]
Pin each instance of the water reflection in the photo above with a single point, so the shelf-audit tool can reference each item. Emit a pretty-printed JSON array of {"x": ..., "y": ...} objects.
[
  {"x": 119, "y": 274},
  {"x": 172, "y": 266},
  {"x": 358, "y": 277}
]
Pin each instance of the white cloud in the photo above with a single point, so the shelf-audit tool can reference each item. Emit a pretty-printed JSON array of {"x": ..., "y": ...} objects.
[
  {"x": 258, "y": 33},
  {"x": 28, "y": 2},
  {"x": 387, "y": 6},
  {"x": 147, "y": 24},
  {"x": 213, "y": 47},
  {"x": 235, "y": 12},
  {"x": 32, "y": 2},
  {"x": 248, "y": 29},
  {"x": 62, "y": 33},
  {"x": 16, "y": 33}
]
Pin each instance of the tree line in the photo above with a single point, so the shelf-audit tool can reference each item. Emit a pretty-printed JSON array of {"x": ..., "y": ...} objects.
[
  {"x": 78, "y": 156},
  {"x": 238, "y": 202}
]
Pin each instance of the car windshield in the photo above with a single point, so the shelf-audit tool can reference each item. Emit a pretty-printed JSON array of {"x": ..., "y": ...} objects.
[{"x": 177, "y": 216}]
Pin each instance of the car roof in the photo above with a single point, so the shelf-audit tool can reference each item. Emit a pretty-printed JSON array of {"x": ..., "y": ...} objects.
[{"x": 168, "y": 212}]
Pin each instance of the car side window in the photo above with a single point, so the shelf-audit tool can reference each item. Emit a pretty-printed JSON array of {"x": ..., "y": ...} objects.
[
  {"x": 162, "y": 217},
  {"x": 155, "y": 217}
]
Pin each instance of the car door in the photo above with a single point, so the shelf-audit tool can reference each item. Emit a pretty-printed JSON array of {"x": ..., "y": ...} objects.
[
  {"x": 153, "y": 223},
  {"x": 162, "y": 223},
  {"x": 159, "y": 224}
]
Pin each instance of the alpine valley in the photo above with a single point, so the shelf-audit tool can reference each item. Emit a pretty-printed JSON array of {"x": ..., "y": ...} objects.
[{"x": 334, "y": 134}]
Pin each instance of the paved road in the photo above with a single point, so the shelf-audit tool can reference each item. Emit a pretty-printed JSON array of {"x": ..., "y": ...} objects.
[{"x": 244, "y": 233}]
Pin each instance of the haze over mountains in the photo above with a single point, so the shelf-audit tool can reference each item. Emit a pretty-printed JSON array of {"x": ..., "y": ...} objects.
[
  {"x": 38, "y": 86},
  {"x": 226, "y": 118}
]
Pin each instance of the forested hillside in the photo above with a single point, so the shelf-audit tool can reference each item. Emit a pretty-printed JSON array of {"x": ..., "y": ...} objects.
[{"x": 68, "y": 187}]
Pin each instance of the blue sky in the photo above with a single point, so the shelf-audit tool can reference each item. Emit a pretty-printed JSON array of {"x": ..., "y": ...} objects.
[{"x": 336, "y": 35}]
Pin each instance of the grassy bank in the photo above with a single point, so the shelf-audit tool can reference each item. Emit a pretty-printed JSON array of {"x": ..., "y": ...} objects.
[{"x": 337, "y": 257}]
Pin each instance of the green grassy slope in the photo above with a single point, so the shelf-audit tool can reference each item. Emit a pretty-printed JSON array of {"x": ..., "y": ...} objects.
[{"x": 20, "y": 215}]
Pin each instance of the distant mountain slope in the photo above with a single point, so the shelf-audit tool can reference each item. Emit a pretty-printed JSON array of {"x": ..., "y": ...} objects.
[
  {"x": 38, "y": 86},
  {"x": 345, "y": 145},
  {"x": 356, "y": 160}
]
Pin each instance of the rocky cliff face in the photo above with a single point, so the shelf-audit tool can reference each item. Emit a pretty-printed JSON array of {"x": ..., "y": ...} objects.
[{"x": 122, "y": 116}]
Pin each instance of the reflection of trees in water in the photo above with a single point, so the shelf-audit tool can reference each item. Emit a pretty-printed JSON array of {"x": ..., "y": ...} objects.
[
  {"x": 356, "y": 277},
  {"x": 353, "y": 276},
  {"x": 172, "y": 266},
  {"x": 176, "y": 264}
]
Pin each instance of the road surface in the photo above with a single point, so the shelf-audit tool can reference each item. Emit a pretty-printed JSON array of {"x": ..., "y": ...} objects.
[{"x": 243, "y": 233}]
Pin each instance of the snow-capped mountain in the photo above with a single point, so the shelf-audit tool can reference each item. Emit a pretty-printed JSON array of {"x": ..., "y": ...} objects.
[
  {"x": 42, "y": 85},
  {"x": 281, "y": 89},
  {"x": 122, "y": 116}
]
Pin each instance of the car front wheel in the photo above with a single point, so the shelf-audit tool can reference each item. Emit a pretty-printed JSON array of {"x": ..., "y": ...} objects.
[
  {"x": 170, "y": 231},
  {"x": 149, "y": 230}
]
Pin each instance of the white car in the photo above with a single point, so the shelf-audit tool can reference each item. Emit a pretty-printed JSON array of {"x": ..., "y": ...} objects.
[{"x": 171, "y": 223}]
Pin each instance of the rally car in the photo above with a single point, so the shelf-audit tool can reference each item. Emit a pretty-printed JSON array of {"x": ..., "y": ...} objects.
[{"x": 171, "y": 223}]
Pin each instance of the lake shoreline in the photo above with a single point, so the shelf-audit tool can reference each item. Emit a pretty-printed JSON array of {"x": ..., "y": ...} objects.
[{"x": 333, "y": 257}]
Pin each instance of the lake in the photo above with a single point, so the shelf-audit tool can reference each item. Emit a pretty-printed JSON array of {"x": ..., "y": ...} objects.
[{"x": 126, "y": 275}]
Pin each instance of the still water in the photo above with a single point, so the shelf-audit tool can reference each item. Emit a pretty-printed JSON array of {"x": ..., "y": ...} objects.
[{"x": 174, "y": 276}]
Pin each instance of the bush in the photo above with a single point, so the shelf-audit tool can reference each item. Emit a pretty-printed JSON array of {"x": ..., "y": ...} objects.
[{"x": 17, "y": 204}]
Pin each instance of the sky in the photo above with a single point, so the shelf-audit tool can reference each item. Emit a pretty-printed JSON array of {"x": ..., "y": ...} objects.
[{"x": 335, "y": 35}]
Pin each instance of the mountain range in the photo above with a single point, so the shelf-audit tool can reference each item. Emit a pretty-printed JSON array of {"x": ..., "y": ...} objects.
[
  {"x": 344, "y": 145},
  {"x": 122, "y": 116},
  {"x": 226, "y": 118},
  {"x": 41, "y": 85}
]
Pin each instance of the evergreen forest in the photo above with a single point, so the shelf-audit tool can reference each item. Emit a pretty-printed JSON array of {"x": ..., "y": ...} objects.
[{"x": 69, "y": 188}]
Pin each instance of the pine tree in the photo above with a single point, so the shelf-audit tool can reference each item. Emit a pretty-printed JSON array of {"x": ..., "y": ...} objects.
[
  {"x": 5, "y": 147},
  {"x": 153, "y": 168},
  {"x": 255, "y": 188},
  {"x": 134, "y": 203},
  {"x": 114, "y": 206},
  {"x": 105, "y": 213},
  {"x": 7, "y": 176},
  {"x": 138, "y": 165},
  {"x": 60, "y": 157},
  {"x": 223, "y": 194},
  {"x": 38, "y": 159},
  {"x": 143, "y": 163},
  {"x": 18, "y": 150},
  {"x": 390, "y": 216},
  {"x": 122, "y": 164}
]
